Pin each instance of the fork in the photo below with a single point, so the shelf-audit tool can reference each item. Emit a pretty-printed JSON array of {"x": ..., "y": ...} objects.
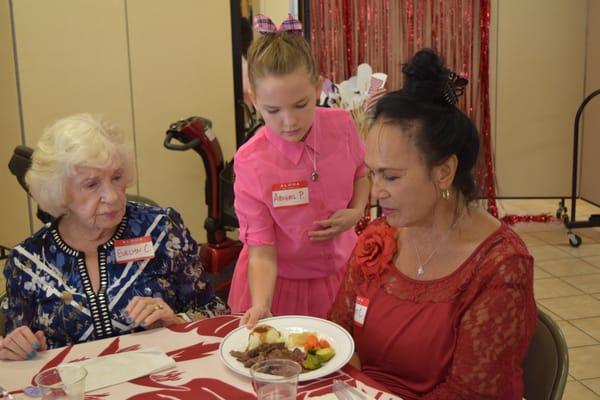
[{"x": 5, "y": 394}]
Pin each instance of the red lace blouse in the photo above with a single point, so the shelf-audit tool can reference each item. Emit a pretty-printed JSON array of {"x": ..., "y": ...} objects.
[{"x": 463, "y": 336}]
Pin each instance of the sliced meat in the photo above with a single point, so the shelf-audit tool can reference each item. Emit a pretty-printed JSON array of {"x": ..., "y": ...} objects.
[{"x": 268, "y": 351}]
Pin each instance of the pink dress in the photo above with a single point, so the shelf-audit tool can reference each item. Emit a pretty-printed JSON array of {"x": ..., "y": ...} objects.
[
  {"x": 462, "y": 336},
  {"x": 309, "y": 273}
]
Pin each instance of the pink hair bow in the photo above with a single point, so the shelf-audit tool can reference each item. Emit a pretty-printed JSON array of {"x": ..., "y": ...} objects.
[{"x": 264, "y": 25}]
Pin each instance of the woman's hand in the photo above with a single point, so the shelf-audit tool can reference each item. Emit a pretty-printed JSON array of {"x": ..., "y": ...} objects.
[
  {"x": 253, "y": 314},
  {"x": 22, "y": 344},
  {"x": 151, "y": 312},
  {"x": 340, "y": 221}
]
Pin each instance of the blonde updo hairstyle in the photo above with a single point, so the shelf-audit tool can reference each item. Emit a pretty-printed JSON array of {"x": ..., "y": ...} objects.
[
  {"x": 82, "y": 140},
  {"x": 278, "y": 54}
]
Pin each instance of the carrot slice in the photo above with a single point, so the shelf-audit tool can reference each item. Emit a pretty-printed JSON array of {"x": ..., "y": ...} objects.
[{"x": 311, "y": 342}]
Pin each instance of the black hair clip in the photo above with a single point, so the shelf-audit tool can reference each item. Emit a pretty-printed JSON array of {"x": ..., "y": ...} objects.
[
  {"x": 333, "y": 98},
  {"x": 454, "y": 88}
]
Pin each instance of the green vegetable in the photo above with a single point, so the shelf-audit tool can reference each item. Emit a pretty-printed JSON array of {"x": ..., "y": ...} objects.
[
  {"x": 325, "y": 355},
  {"x": 311, "y": 362}
]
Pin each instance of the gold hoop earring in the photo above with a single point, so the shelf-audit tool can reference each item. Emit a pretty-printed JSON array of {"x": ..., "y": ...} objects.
[{"x": 446, "y": 194}]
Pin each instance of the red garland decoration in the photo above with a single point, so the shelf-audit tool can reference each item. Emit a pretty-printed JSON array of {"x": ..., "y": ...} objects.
[
  {"x": 484, "y": 68},
  {"x": 513, "y": 219}
]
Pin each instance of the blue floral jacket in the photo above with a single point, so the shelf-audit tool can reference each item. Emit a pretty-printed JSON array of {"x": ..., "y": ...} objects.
[{"x": 48, "y": 287}]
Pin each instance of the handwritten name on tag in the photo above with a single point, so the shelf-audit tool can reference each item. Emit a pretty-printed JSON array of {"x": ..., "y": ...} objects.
[
  {"x": 290, "y": 194},
  {"x": 135, "y": 249},
  {"x": 360, "y": 310}
]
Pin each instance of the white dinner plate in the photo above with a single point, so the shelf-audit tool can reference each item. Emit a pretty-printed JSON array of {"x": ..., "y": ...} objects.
[{"x": 338, "y": 338}]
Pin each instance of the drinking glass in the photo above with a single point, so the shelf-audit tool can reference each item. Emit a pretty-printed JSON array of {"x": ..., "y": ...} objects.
[
  {"x": 275, "y": 379},
  {"x": 62, "y": 382}
]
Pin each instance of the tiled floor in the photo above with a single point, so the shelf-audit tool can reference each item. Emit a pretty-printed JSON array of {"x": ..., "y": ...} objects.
[{"x": 567, "y": 286}]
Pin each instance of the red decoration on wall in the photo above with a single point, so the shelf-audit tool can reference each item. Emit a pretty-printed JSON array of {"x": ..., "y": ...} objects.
[
  {"x": 513, "y": 219},
  {"x": 385, "y": 34}
]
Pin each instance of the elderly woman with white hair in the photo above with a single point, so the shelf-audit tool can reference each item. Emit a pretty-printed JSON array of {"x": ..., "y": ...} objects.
[{"x": 106, "y": 266}]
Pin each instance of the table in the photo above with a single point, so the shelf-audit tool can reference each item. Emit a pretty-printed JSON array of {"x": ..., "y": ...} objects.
[{"x": 199, "y": 372}]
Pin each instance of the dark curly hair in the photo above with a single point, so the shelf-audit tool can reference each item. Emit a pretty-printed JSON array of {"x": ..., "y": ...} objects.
[{"x": 426, "y": 105}]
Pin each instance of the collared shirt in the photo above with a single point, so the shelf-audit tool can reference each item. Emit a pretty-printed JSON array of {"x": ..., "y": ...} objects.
[
  {"x": 267, "y": 160},
  {"x": 48, "y": 287}
]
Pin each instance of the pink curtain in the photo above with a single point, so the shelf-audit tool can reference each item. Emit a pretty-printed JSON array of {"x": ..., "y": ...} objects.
[{"x": 386, "y": 33}]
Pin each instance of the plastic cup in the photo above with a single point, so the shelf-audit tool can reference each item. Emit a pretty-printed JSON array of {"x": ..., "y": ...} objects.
[
  {"x": 275, "y": 379},
  {"x": 62, "y": 382}
]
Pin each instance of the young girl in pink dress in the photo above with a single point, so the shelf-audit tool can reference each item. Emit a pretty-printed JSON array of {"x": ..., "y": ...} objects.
[{"x": 300, "y": 185}]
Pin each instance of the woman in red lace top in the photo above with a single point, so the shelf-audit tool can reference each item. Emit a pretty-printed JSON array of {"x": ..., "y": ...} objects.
[{"x": 438, "y": 294}]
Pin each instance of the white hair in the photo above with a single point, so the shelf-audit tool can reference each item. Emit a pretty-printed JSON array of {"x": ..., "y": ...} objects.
[{"x": 82, "y": 140}]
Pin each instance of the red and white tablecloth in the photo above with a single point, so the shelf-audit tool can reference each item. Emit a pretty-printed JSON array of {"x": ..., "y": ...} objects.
[{"x": 199, "y": 372}]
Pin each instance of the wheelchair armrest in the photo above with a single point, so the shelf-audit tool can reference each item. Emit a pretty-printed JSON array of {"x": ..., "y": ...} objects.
[{"x": 19, "y": 164}]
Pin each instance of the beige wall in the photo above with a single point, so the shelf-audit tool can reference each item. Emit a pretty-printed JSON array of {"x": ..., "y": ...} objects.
[
  {"x": 71, "y": 65},
  {"x": 14, "y": 212},
  {"x": 590, "y": 161},
  {"x": 540, "y": 78},
  {"x": 181, "y": 66},
  {"x": 148, "y": 63},
  {"x": 143, "y": 64},
  {"x": 277, "y": 10}
]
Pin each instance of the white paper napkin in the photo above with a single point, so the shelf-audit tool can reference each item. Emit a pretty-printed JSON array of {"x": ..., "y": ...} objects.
[{"x": 122, "y": 367}]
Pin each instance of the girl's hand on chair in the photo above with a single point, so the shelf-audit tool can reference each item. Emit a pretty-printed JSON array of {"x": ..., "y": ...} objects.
[
  {"x": 340, "y": 221},
  {"x": 253, "y": 315},
  {"x": 22, "y": 344}
]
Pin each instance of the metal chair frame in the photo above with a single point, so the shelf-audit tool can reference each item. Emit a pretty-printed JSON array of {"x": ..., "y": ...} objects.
[{"x": 545, "y": 369}]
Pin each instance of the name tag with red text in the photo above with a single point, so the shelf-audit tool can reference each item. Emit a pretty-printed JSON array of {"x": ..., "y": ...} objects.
[
  {"x": 360, "y": 310},
  {"x": 290, "y": 194},
  {"x": 134, "y": 249}
]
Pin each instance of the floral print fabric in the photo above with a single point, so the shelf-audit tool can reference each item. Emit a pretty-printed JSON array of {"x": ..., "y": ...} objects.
[{"x": 48, "y": 287}]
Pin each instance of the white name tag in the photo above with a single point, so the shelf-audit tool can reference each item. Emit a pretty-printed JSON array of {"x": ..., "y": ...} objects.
[
  {"x": 290, "y": 194},
  {"x": 360, "y": 310},
  {"x": 135, "y": 249}
]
